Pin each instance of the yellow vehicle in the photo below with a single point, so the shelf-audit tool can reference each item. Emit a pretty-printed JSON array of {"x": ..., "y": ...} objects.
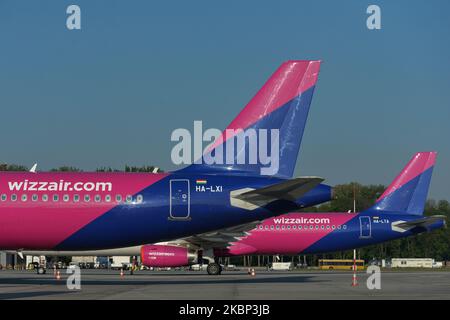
[{"x": 340, "y": 264}]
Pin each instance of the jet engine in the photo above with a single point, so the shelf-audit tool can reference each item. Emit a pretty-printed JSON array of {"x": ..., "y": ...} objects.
[{"x": 167, "y": 256}]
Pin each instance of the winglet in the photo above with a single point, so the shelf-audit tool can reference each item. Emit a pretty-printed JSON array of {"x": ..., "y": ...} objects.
[{"x": 33, "y": 168}]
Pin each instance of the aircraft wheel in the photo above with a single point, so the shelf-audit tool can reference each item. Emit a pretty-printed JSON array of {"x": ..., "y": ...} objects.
[
  {"x": 214, "y": 269},
  {"x": 40, "y": 270}
]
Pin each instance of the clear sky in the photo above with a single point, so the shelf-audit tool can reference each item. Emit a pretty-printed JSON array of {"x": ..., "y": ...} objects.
[{"x": 111, "y": 93}]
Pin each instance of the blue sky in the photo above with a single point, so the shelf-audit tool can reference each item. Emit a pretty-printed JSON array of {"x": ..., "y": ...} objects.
[{"x": 112, "y": 93}]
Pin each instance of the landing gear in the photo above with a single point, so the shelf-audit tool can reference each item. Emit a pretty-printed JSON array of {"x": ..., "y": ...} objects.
[
  {"x": 40, "y": 270},
  {"x": 214, "y": 269}
]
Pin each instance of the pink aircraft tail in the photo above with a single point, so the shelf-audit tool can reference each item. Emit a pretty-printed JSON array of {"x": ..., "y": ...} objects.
[
  {"x": 281, "y": 105},
  {"x": 408, "y": 192}
]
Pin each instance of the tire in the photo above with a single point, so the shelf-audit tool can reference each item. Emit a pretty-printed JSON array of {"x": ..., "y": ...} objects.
[
  {"x": 40, "y": 270},
  {"x": 214, "y": 269}
]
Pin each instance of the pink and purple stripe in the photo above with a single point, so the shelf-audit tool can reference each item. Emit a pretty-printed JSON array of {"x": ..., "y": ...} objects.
[
  {"x": 289, "y": 81},
  {"x": 418, "y": 164}
]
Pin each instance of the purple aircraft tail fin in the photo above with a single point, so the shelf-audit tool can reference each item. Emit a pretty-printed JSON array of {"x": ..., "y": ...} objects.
[
  {"x": 279, "y": 111},
  {"x": 408, "y": 192}
]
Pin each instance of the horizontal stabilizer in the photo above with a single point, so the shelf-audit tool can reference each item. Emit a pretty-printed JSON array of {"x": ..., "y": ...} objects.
[
  {"x": 289, "y": 190},
  {"x": 423, "y": 222}
]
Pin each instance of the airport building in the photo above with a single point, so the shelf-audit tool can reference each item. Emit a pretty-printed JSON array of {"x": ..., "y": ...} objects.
[
  {"x": 7, "y": 259},
  {"x": 412, "y": 263}
]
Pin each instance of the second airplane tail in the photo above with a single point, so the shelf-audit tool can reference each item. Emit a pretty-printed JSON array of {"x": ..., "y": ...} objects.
[{"x": 408, "y": 192}]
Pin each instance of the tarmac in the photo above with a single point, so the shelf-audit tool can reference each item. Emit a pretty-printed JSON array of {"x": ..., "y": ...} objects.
[{"x": 232, "y": 285}]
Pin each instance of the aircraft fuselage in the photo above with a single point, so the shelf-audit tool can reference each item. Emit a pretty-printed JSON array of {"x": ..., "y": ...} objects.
[{"x": 88, "y": 211}]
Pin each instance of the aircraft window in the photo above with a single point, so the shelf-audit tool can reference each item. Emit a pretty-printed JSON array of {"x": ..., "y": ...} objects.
[
  {"x": 44, "y": 197},
  {"x": 311, "y": 227},
  {"x": 294, "y": 227},
  {"x": 139, "y": 198},
  {"x": 322, "y": 227},
  {"x": 129, "y": 198},
  {"x": 283, "y": 227},
  {"x": 13, "y": 197},
  {"x": 55, "y": 197},
  {"x": 65, "y": 197},
  {"x": 271, "y": 227},
  {"x": 339, "y": 227},
  {"x": 344, "y": 226},
  {"x": 289, "y": 227},
  {"x": 87, "y": 198},
  {"x": 328, "y": 227},
  {"x": 76, "y": 198},
  {"x": 278, "y": 227},
  {"x": 24, "y": 197},
  {"x": 97, "y": 198},
  {"x": 4, "y": 197},
  {"x": 108, "y": 198},
  {"x": 317, "y": 227},
  {"x": 266, "y": 227},
  {"x": 300, "y": 227},
  {"x": 118, "y": 198},
  {"x": 333, "y": 227},
  {"x": 34, "y": 197}
]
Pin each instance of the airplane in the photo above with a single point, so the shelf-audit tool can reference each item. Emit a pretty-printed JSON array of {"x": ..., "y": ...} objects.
[
  {"x": 397, "y": 213},
  {"x": 92, "y": 211}
]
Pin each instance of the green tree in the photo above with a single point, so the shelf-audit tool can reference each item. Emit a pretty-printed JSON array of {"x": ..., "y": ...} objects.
[
  {"x": 66, "y": 169},
  {"x": 12, "y": 167},
  {"x": 141, "y": 169}
]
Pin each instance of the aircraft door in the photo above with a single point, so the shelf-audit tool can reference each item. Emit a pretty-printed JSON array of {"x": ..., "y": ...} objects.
[
  {"x": 180, "y": 199},
  {"x": 365, "y": 227}
]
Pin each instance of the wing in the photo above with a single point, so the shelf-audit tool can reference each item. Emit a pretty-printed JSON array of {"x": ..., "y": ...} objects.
[{"x": 221, "y": 238}]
